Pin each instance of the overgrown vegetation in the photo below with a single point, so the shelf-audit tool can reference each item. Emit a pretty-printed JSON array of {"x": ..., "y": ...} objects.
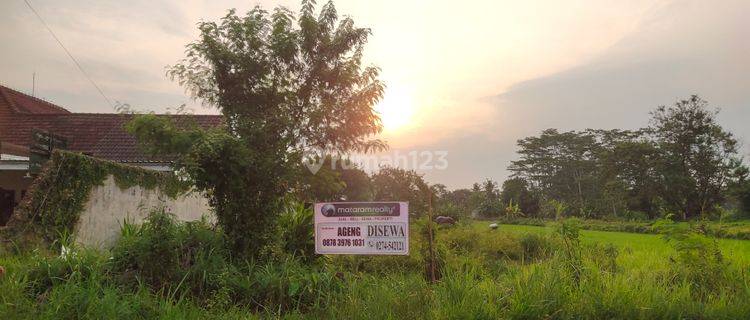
[
  {"x": 165, "y": 269},
  {"x": 58, "y": 195},
  {"x": 286, "y": 84}
]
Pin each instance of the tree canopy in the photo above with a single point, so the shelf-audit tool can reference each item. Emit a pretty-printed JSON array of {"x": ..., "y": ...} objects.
[
  {"x": 285, "y": 83},
  {"x": 682, "y": 163}
]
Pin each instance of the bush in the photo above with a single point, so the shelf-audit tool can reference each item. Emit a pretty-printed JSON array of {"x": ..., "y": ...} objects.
[
  {"x": 604, "y": 256},
  {"x": 631, "y": 215},
  {"x": 451, "y": 210},
  {"x": 295, "y": 228},
  {"x": 44, "y": 273},
  {"x": 536, "y": 246},
  {"x": 290, "y": 285},
  {"x": 166, "y": 255},
  {"x": 698, "y": 259}
]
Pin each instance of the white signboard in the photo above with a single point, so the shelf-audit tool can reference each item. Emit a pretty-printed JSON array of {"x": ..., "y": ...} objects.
[{"x": 362, "y": 228}]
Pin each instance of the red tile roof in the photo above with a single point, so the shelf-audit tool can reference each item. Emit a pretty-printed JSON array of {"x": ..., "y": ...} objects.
[
  {"x": 22, "y": 103},
  {"x": 98, "y": 134}
]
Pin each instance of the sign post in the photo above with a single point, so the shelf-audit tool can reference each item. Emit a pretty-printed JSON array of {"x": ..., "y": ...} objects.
[{"x": 372, "y": 228}]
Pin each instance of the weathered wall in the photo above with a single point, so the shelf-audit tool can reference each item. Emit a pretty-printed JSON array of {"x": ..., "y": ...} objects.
[{"x": 108, "y": 206}]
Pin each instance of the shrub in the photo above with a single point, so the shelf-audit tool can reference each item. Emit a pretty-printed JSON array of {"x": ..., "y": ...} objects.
[
  {"x": 289, "y": 285},
  {"x": 166, "y": 255},
  {"x": 149, "y": 253},
  {"x": 536, "y": 246},
  {"x": 568, "y": 230},
  {"x": 698, "y": 259},
  {"x": 192, "y": 259},
  {"x": 295, "y": 230},
  {"x": 631, "y": 215},
  {"x": 512, "y": 210},
  {"x": 451, "y": 210},
  {"x": 604, "y": 256},
  {"x": 46, "y": 272}
]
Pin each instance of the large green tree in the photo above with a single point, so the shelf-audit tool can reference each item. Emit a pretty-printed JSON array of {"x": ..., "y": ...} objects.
[
  {"x": 285, "y": 83},
  {"x": 696, "y": 156},
  {"x": 488, "y": 199},
  {"x": 630, "y": 175},
  {"x": 392, "y": 183},
  {"x": 561, "y": 166}
]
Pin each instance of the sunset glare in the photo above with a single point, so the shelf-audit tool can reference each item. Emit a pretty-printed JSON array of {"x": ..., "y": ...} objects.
[{"x": 396, "y": 110}]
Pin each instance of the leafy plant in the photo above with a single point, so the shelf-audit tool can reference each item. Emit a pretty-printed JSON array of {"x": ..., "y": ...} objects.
[
  {"x": 698, "y": 258},
  {"x": 512, "y": 210},
  {"x": 559, "y": 208},
  {"x": 295, "y": 228},
  {"x": 568, "y": 230}
]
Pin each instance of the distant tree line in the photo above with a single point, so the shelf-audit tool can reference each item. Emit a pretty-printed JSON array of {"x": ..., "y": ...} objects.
[{"x": 683, "y": 163}]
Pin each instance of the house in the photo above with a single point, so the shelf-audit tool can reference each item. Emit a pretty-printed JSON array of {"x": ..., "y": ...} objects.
[{"x": 100, "y": 135}]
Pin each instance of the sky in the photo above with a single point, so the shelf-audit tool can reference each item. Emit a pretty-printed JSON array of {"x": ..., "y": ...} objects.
[{"x": 464, "y": 79}]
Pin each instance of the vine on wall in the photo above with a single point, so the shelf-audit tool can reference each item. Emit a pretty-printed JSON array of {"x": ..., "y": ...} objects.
[{"x": 53, "y": 205}]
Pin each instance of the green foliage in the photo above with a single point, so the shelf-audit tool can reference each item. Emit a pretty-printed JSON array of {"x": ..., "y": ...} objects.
[
  {"x": 43, "y": 274},
  {"x": 448, "y": 209},
  {"x": 58, "y": 196},
  {"x": 335, "y": 180},
  {"x": 516, "y": 190},
  {"x": 698, "y": 259},
  {"x": 296, "y": 231},
  {"x": 739, "y": 189},
  {"x": 456, "y": 203},
  {"x": 683, "y": 162},
  {"x": 165, "y": 255},
  {"x": 391, "y": 183},
  {"x": 358, "y": 186},
  {"x": 536, "y": 247},
  {"x": 289, "y": 285},
  {"x": 719, "y": 229},
  {"x": 695, "y": 159},
  {"x": 488, "y": 200},
  {"x": 557, "y": 209},
  {"x": 286, "y": 84},
  {"x": 562, "y": 166},
  {"x": 512, "y": 210},
  {"x": 568, "y": 230}
]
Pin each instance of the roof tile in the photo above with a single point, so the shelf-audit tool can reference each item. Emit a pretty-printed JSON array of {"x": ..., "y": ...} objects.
[{"x": 98, "y": 134}]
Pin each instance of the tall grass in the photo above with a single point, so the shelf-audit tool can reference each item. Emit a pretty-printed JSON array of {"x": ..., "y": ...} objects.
[{"x": 165, "y": 269}]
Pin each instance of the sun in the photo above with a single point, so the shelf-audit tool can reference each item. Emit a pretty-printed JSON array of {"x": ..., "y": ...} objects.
[{"x": 396, "y": 109}]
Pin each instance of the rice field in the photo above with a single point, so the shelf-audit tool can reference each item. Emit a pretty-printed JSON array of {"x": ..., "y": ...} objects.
[{"x": 638, "y": 247}]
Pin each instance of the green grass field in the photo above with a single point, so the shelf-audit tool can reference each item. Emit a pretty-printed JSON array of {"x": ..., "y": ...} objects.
[{"x": 639, "y": 249}]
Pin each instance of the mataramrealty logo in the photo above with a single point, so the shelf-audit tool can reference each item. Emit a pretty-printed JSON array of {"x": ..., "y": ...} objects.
[{"x": 362, "y": 209}]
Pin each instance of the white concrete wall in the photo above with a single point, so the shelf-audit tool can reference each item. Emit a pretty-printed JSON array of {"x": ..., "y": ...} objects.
[{"x": 108, "y": 206}]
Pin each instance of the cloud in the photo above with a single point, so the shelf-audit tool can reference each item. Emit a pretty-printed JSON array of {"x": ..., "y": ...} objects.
[
  {"x": 123, "y": 46},
  {"x": 485, "y": 74},
  {"x": 690, "y": 47},
  {"x": 693, "y": 48}
]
